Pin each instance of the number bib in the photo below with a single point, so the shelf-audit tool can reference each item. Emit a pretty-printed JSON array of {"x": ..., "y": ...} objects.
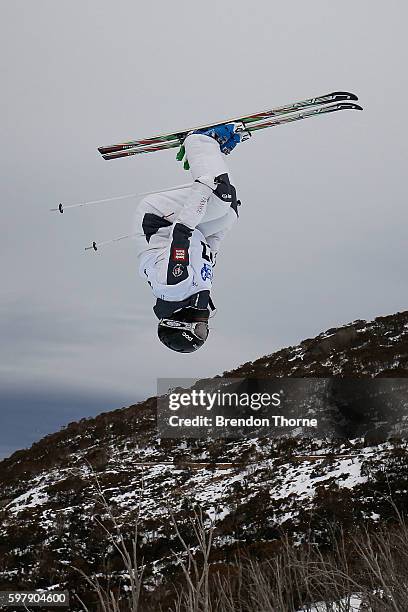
[{"x": 189, "y": 269}]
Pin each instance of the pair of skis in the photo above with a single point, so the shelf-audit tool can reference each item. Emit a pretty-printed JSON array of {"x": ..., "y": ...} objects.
[{"x": 329, "y": 103}]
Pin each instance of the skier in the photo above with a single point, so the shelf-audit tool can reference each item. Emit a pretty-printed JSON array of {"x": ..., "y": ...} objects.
[{"x": 178, "y": 235}]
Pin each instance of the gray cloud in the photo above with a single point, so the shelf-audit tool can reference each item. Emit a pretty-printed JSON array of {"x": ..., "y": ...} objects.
[{"x": 31, "y": 412}]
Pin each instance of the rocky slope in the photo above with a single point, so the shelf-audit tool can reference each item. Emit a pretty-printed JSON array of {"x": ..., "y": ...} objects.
[{"x": 254, "y": 489}]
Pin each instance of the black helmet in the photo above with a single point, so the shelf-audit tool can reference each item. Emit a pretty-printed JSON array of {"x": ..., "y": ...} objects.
[{"x": 185, "y": 331}]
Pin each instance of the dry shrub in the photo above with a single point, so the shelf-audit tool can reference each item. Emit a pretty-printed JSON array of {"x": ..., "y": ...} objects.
[{"x": 370, "y": 565}]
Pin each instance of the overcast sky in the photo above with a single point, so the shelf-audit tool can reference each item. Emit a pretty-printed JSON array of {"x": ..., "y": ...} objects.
[{"x": 322, "y": 234}]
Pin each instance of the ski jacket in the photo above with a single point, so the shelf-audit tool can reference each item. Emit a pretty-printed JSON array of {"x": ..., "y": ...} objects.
[{"x": 179, "y": 261}]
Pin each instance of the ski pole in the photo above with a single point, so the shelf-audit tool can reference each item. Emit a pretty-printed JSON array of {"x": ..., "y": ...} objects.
[
  {"x": 95, "y": 246},
  {"x": 62, "y": 207}
]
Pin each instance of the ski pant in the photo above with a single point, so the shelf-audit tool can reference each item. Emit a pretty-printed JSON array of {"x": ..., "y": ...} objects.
[{"x": 162, "y": 209}]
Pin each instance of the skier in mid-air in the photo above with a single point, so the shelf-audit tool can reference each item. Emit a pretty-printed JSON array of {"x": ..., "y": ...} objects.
[
  {"x": 179, "y": 231},
  {"x": 178, "y": 235}
]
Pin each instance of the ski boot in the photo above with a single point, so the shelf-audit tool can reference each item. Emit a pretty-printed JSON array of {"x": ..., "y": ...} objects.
[{"x": 228, "y": 135}]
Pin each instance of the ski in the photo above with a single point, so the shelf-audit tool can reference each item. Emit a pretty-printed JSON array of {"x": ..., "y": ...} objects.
[
  {"x": 336, "y": 96},
  {"x": 161, "y": 146},
  {"x": 304, "y": 115}
]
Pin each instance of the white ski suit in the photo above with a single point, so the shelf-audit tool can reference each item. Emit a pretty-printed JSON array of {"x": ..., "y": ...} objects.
[{"x": 178, "y": 232}]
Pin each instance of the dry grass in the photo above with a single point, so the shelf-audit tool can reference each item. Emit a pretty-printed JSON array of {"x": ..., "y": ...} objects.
[{"x": 373, "y": 565}]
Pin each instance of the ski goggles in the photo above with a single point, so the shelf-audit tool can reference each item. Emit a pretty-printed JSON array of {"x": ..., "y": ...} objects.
[{"x": 198, "y": 328}]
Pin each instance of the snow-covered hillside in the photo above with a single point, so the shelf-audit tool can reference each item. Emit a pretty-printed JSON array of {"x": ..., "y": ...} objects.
[{"x": 254, "y": 490}]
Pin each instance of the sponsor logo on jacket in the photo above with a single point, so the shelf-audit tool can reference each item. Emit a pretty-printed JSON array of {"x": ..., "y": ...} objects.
[{"x": 179, "y": 254}]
